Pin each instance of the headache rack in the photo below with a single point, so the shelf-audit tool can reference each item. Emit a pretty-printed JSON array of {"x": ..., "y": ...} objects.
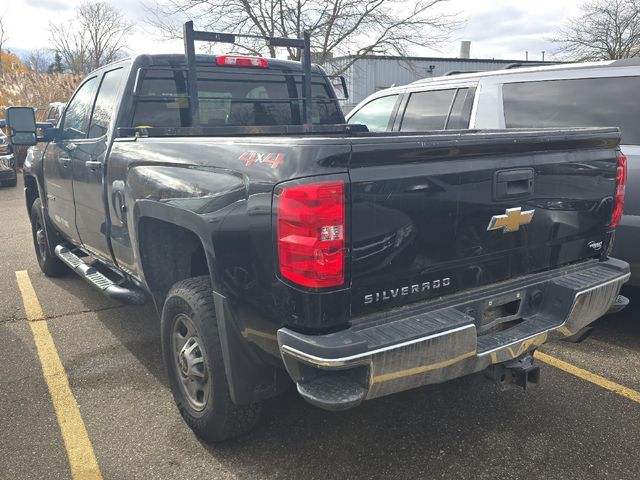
[
  {"x": 302, "y": 114},
  {"x": 191, "y": 36},
  {"x": 192, "y": 115}
]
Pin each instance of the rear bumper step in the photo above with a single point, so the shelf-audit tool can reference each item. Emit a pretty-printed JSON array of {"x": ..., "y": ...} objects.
[
  {"x": 428, "y": 344},
  {"x": 114, "y": 290},
  {"x": 620, "y": 303}
]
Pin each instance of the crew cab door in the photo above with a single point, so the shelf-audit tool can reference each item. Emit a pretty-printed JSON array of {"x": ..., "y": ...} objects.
[
  {"x": 89, "y": 166},
  {"x": 58, "y": 159}
]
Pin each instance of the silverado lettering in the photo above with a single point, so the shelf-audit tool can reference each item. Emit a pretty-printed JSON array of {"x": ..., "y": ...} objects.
[{"x": 404, "y": 291}]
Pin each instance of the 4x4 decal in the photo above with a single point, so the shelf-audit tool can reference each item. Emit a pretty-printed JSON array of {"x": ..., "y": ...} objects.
[{"x": 251, "y": 158}]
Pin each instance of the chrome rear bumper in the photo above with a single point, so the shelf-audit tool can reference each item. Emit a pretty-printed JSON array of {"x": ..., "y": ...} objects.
[{"x": 427, "y": 345}]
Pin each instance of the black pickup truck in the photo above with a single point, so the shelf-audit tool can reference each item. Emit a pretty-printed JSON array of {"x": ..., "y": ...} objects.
[{"x": 279, "y": 244}]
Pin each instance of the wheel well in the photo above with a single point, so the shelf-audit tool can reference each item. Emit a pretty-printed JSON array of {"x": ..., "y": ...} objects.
[
  {"x": 169, "y": 253},
  {"x": 31, "y": 191}
]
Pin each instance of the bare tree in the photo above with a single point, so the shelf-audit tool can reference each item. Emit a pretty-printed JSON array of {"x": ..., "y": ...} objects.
[
  {"x": 39, "y": 60},
  {"x": 96, "y": 36},
  {"x": 71, "y": 44},
  {"x": 337, "y": 27},
  {"x": 604, "y": 30}
]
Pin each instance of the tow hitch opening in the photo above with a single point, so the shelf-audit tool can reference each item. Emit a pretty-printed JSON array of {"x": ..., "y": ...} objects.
[{"x": 520, "y": 372}]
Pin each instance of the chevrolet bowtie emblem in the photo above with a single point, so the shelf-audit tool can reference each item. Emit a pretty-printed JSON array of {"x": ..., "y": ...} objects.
[{"x": 511, "y": 220}]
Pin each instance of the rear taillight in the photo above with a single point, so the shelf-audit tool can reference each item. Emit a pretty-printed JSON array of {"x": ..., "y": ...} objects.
[
  {"x": 311, "y": 233},
  {"x": 621, "y": 184},
  {"x": 238, "y": 61}
]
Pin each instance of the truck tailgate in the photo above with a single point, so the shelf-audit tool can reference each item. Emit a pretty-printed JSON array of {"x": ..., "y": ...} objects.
[{"x": 436, "y": 214}]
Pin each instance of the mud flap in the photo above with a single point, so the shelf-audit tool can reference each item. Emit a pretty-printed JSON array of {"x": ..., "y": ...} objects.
[{"x": 250, "y": 379}]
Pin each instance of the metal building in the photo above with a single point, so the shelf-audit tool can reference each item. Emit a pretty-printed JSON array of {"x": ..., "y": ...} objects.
[{"x": 371, "y": 73}]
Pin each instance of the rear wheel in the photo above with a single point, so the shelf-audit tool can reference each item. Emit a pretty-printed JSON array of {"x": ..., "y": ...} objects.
[
  {"x": 9, "y": 183},
  {"x": 193, "y": 357},
  {"x": 50, "y": 265}
]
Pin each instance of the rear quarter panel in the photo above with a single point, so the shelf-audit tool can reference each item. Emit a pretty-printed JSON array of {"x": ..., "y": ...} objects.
[{"x": 221, "y": 190}]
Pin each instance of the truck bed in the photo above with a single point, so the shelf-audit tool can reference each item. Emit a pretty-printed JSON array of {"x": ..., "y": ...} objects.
[{"x": 418, "y": 209}]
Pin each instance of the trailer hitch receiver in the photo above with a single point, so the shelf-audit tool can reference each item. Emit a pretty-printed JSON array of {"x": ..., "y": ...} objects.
[{"x": 520, "y": 372}]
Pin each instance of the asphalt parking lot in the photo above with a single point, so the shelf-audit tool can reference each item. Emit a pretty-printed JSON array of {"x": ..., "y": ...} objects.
[{"x": 570, "y": 427}]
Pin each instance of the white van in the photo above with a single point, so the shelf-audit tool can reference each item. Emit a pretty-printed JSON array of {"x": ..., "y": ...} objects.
[{"x": 567, "y": 95}]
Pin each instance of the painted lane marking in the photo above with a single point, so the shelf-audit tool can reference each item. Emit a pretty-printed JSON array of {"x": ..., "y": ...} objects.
[
  {"x": 82, "y": 459},
  {"x": 589, "y": 377}
]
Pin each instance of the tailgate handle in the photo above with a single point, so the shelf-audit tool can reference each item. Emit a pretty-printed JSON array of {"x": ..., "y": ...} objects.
[{"x": 513, "y": 183}]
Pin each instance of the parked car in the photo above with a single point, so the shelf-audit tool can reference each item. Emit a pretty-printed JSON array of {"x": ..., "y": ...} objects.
[
  {"x": 48, "y": 118},
  {"x": 8, "y": 166},
  {"x": 53, "y": 113},
  {"x": 280, "y": 244},
  {"x": 560, "y": 96}
]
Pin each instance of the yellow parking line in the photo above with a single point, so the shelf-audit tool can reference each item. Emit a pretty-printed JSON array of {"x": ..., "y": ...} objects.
[
  {"x": 589, "y": 377},
  {"x": 82, "y": 459}
]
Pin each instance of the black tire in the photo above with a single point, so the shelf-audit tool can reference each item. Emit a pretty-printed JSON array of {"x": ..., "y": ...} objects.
[
  {"x": 189, "y": 312},
  {"x": 9, "y": 183},
  {"x": 50, "y": 265}
]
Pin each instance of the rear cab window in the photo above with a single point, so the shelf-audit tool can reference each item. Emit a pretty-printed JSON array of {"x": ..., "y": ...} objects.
[
  {"x": 584, "y": 102},
  {"x": 230, "y": 97}
]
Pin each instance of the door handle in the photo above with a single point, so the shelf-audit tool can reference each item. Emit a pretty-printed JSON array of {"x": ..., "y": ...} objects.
[
  {"x": 93, "y": 165},
  {"x": 64, "y": 161}
]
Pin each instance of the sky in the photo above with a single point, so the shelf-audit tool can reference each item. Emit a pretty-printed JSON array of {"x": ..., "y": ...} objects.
[{"x": 501, "y": 29}]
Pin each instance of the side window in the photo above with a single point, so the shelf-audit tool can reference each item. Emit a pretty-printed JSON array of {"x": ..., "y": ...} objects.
[
  {"x": 105, "y": 103},
  {"x": 427, "y": 110},
  {"x": 76, "y": 119},
  {"x": 376, "y": 114},
  {"x": 581, "y": 102},
  {"x": 460, "y": 116},
  {"x": 438, "y": 110}
]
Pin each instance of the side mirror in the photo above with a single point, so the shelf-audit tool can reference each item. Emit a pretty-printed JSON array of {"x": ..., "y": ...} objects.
[{"x": 21, "y": 122}]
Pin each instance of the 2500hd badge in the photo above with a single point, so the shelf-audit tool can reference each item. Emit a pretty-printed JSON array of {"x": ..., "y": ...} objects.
[{"x": 392, "y": 293}]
